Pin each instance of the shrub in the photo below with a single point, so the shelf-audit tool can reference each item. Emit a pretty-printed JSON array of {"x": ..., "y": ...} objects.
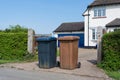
[
  {"x": 13, "y": 45},
  {"x": 111, "y": 51}
]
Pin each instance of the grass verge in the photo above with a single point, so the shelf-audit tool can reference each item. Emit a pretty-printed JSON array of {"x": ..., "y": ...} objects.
[
  {"x": 58, "y": 53},
  {"x": 113, "y": 74},
  {"x": 28, "y": 58},
  {"x": 8, "y": 61}
]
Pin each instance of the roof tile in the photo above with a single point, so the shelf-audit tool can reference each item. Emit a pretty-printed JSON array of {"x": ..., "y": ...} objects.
[
  {"x": 114, "y": 23},
  {"x": 103, "y": 2},
  {"x": 70, "y": 27}
]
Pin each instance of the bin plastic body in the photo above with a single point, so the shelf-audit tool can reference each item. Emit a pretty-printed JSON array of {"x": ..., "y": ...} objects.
[
  {"x": 68, "y": 52},
  {"x": 46, "y": 52}
]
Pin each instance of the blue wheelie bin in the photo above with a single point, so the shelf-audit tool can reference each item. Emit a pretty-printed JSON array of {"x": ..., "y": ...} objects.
[{"x": 47, "y": 52}]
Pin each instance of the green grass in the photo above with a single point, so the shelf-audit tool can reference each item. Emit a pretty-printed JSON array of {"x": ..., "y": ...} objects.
[
  {"x": 113, "y": 74},
  {"x": 8, "y": 61},
  {"x": 58, "y": 53},
  {"x": 28, "y": 58}
]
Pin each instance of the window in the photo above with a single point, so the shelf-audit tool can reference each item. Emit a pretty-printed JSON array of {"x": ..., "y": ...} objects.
[
  {"x": 94, "y": 34},
  {"x": 104, "y": 12},
  {"x": 99, "y": 12},
  {"x": 95, "y": 13}
]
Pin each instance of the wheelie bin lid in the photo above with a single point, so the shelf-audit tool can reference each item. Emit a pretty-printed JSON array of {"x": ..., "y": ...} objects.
[{"x": 45, "y": 39}]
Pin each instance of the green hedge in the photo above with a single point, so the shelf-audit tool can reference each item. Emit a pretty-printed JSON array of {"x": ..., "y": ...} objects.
[
  {"x": 13, "y": 46},
  {"x": 111, "y": 51}
]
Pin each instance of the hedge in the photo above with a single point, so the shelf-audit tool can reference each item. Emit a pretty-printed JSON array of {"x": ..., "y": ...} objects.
[
  {"x": 111, "y": 51},
  {"x": 13, "y": 46}
]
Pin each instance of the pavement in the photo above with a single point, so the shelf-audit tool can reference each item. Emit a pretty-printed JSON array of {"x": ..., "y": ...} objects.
[{"x": 87, "y": 71}]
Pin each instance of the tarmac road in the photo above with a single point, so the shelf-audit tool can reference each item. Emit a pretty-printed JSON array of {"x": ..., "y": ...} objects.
[{"x": 15, "y": 74}]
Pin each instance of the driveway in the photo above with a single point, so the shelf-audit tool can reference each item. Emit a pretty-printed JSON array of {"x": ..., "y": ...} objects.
[{"x": 87, "y": 71}]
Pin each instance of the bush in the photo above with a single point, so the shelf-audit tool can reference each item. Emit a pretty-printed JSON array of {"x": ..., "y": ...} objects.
[
  {"x": 13, "y": 45},
  {"x": 111, "y": 51}
]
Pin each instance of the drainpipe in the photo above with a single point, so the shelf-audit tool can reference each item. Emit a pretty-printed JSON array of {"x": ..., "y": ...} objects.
[{"x": 88, "y": 26}]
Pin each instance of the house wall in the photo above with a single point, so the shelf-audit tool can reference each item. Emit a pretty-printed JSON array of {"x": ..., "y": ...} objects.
[{"x": 112, "y": 12}]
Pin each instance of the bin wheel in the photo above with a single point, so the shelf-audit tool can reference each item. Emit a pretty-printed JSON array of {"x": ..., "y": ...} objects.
[{"x": 79, "y": 65}]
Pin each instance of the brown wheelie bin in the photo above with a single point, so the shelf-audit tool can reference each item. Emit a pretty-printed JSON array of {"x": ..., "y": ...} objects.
[{"x": 68, "y": 52}]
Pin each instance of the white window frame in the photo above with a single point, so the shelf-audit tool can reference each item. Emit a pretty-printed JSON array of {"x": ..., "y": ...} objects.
[
  {"x": 95, "y": 13},
  {"x": 94, "y": 34},
  {"x": 100, "y": 12},
  {"x": 104, "y": 12}
]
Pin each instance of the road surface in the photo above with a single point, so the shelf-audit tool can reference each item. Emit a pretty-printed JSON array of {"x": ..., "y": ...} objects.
[{"x": 15, "y": 74}]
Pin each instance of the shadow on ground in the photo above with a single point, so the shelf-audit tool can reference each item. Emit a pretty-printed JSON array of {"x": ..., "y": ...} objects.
[{"x": 93, "y": 61}]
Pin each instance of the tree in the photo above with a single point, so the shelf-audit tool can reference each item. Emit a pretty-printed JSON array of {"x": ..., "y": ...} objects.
[{"x": 16, "y": 29}]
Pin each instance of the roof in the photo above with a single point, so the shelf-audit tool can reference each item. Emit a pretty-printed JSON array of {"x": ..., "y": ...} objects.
[
  {"x": 70, "y": 27},
  {"x": 103, "y": 2},
  {"x": 114, "y": 23}
]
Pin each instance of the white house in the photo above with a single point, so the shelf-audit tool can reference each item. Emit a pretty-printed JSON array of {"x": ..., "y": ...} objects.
[{"x": 100, "y": 13}]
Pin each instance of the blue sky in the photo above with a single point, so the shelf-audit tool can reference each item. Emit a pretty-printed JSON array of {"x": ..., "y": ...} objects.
[{"x": 43, "y": 16}]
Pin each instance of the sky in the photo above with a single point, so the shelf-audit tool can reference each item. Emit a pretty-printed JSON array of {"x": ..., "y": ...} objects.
[{"x": 43, "y": 16}]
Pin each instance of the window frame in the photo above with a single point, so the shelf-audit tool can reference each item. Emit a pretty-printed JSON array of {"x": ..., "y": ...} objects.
[
  {"x": 99, "y": 12},
  {"x": 95, "y": 13},
  {"x": 94, "y": 34}
]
